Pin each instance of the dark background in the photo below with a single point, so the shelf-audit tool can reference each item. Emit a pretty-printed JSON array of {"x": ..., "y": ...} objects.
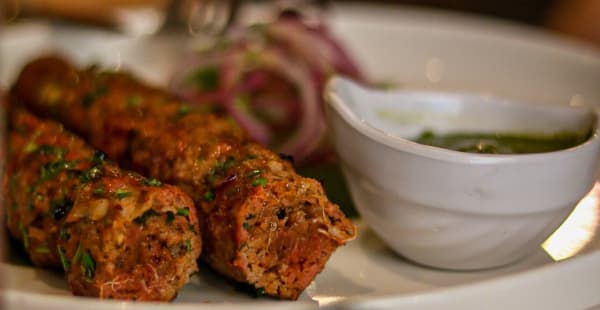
[
  {"x": 526, "y": 11},
  {"x": 579, "y": 19}
]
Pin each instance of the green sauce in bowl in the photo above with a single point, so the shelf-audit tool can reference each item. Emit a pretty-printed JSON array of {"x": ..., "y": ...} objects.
[{"x": 502, "y": 143}]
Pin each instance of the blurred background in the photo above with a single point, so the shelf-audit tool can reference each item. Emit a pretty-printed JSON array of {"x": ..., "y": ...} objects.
[{"x": 576, "y": 18}]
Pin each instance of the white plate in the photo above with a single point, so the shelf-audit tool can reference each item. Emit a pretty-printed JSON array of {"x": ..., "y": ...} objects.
[{"x": 418, "y": 49}]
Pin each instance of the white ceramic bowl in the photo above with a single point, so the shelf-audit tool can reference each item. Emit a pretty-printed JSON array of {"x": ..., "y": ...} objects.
[{"x": 451, "y": 209}]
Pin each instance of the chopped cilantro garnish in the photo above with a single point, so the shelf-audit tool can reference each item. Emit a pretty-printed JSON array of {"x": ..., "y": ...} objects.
[
  {"x": 90, "y": 174},
  {"x": 253, "y": 173},
  {"x": 77, "y": 255},
  {"x": 52, "y": 169},
  {"x": 63, "y": 233},
  {"x": 183, "y": 111},
  {"x": 246, "y": 226},
  {"x": 121, "y": 193},
  {"x": 259, "y": 291},
  {"x": 25, "y": 234},
  {"x": 229, "y": 162},
  {"x": 142, "y": 218},
  {"x": 63, "y": 258},
  {"x": 45, "y": 149},
  {"x": 89, "y": 98},
  {"x": 188, "y": 245},
  {"x": 134, "y": 101},
  {"x": 170, "y": 217},
  {"x": 209, "y": 196},
  {"x": 251, "y": 290},
  {"x": 183, "y": 211},
  {"x": 152, "y": 182},
  {"x": 260, "y": 181},
  {"x": 88, "y": 265},
  {"x": 30, "y": 147},
  {"x": 99, "y": 190}
]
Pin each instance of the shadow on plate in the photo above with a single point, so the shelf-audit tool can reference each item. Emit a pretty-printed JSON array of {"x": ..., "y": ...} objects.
[{"x": 380, "y": 254}]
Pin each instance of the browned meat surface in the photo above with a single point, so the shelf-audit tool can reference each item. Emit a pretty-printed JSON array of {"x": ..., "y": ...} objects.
[
  {"x": 115, "y": 233},
  {"x": 262, "y": 224}
]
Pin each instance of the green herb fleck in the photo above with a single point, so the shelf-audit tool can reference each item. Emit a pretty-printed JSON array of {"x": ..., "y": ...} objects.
[
  {"x": 99, "y": 190},
  {"x": 90, "y": 174},
  {"x": 63, "y": 233},
  {"x": 45, "y": 149},
  {"x": 52, "y": 169},
  {"x": 222, "y": 166},
  {"x": 208, "y": 196},
  {"x": 183, "y": 211},
  {"x": 188, "y": 245},
  {"x": 183, "y": 110},
  {"x": 88, "y": 265},
  {"x": 30, "y": 205},
  {"x": 77, "y": 255},
  {"x": 260, "y": 181},
  {"x": 30, "y": 147},
  {"x": 251, "y": 290},
  {"x": 259, "y": 291},
  {"x": 121, "y": 193},
  {"x": 211, "y": 178},
  {"x": 142, "y": 218},
  {"x": 89, "y": 98},
  {"x": 152, "y": 182},
  {"x": 25, "y": 234},
  {"x": 134, "y": 101},
  {"x": 170, "y": 217},
  {"x": 254, "y": 173},
  {"x": 63, "y": 258},
  {"x": 246, "y": 226}
]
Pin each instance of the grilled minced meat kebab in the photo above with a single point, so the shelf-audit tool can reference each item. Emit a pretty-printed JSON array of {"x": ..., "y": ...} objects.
[
  {"x": 262, "y": 224},
  {"x": 115, "y": 233}
]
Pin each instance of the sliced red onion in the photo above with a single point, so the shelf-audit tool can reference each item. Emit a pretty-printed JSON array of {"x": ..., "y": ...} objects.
[{"x": 289, "y": 49}]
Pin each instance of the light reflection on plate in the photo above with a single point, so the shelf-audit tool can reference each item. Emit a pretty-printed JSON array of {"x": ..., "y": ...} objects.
[{"x": 578, "y": 229}]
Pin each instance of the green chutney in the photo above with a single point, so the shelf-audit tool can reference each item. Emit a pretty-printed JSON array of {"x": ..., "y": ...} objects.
[{"x": 502, "y": 143}]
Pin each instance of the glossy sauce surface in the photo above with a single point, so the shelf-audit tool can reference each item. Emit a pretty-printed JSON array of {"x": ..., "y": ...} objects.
[{"x": 502, "y": 143}]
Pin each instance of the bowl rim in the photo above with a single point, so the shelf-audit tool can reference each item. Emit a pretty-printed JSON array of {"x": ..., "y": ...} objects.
[{"x": 334, "y": 100}]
